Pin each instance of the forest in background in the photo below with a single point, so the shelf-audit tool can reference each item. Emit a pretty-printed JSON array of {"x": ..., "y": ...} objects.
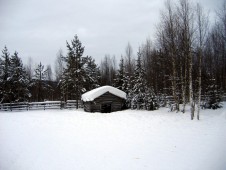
[{"x": 187, "y": 61}]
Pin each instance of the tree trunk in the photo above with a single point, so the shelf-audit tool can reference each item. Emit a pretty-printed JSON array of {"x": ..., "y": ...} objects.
[
  {"x": 183, "y": 87},
  {"x": 200, "y": 79},
  {"x": 190, "y": 87}
]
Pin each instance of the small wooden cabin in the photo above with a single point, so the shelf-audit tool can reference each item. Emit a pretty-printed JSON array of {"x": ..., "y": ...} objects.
[{"x": 104, "y": 99}]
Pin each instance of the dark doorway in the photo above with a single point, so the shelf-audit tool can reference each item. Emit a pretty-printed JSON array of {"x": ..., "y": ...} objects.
[{"x": 106, "y": 108}]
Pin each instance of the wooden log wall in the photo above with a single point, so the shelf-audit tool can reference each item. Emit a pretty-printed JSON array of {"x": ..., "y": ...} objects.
[{"x": 95, "y": 106}]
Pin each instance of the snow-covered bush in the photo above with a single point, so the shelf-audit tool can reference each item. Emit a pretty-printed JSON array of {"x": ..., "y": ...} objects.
[{"x": 212, "y": 97}]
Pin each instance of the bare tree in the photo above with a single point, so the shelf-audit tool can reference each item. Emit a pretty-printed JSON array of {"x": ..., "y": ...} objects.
[
  {"x": 49, "y": 76},
  {"x": 108, "y": 70},
  {"x": 221, "y": 13},
  {"x": 129, "y": 60},
  {"x": 146, "y": 52},
  {"x": 168, "y": 39},
  {"x": 59, "y": 65},
  {"x": 186, "y": 26},
  {"x": 29, "y": 68},
  {"x": 202, "y": 31}
]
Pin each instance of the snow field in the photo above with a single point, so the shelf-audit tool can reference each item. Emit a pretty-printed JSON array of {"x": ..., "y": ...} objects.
[{"x": 134, "y": 140}]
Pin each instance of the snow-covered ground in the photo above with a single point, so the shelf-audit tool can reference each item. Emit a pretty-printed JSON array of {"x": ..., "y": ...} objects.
[{"x": 133, "y": 140}]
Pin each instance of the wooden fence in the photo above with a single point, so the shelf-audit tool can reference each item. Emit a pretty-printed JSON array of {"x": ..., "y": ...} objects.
[{"x": 69, "y": 104}]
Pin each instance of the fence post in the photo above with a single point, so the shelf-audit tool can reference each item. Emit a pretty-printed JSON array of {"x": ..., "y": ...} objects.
[{"x": 61, "y": 104}]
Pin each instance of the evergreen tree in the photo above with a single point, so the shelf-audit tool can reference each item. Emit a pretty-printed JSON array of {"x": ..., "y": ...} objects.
[
  {"x": 120, "y": 76},
  {"x": 92, "y": 73},
  {"x": 128, "y": 88},
  {"x": 73, "y": 79},
  {"x": 140, "y": 84},
  {"x": 5, "y": 85},
  {"x": 19, "y": 80},
  {"x": 150, "y": 99},
  {"x": 213, "y": 95},
  {"x": 143, "y": 97},
  {"x": 39, "y": 82}
]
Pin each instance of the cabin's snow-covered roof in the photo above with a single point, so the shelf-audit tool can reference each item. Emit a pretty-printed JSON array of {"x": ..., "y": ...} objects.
[{"x": 93, "y": 94}]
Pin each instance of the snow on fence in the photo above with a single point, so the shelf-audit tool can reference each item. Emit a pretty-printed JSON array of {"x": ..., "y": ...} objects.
[
  {"x": 14, "y": 106},
  {"x": 73, "y": 103},
  {"x": 69, "y": 104}
]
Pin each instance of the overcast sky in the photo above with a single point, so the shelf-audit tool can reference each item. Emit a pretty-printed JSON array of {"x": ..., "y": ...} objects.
[{"x": 39, "y": 28}]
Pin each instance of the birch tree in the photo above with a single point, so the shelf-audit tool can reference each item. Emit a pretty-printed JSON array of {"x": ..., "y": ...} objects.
[
  {"x": 168, "y": 37},
  {"x": 202, "y": 32},
  {"x": 186, "y": 26}
]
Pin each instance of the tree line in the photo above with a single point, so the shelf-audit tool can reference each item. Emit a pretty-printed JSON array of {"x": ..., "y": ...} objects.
[
  {"x": 187, "y": 60},
  {"x": 75, "y": 75}
]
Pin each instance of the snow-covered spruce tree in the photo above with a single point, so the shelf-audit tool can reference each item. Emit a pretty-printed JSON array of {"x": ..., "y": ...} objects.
[
  {"x": 142, "y": 96},
  {"x": 19, "y": 80},
  {"x": 73, "y": 78},
  {"x": 39, "y": 83},
  {"x": 119, "y": 82},
  {"x": 138, "y": 91},
  {"x": 150, "y": 99},
  {"x": 128, "y": 84},
  {"x": 5, "y": 85},
  {"x": 124, "y": 82},
  {"x": 92, "y": 73},
  {"x": 213, "y": 96}
]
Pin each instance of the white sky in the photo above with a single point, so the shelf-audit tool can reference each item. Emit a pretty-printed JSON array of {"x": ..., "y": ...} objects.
[{"x": 39, "y": 28}]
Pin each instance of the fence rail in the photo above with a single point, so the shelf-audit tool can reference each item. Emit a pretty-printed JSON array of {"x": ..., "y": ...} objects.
[{"x": 69, "y": 104}]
